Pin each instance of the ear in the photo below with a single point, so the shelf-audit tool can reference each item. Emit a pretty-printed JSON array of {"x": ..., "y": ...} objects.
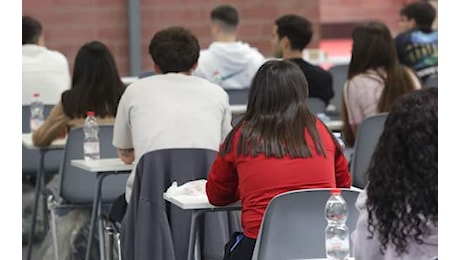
[
  {"x": 194, "y": 66},
  {"x": 412, "y": 23},
  {"x": 156, "y": 68},
  {"x": 285, "y": 43}
]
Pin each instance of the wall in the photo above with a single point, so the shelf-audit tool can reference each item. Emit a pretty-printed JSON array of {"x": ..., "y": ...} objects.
[{"x": 70, "y": 23}]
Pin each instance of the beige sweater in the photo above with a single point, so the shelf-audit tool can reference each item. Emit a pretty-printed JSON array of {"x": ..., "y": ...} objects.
[{"x": 58, "y": 123}]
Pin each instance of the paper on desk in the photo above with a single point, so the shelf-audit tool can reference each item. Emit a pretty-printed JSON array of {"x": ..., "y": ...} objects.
[{"x": 192, "y": 191}]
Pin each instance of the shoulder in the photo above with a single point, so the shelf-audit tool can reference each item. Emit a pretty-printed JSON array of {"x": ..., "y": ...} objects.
[{"x": 57, "y": 56}]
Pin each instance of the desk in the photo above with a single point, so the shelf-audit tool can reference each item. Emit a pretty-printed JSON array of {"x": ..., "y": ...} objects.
[
  {"x": 39, "y": 183},
  {"x": 102, "y": 168},
  {"x": 198, "y": 207}
]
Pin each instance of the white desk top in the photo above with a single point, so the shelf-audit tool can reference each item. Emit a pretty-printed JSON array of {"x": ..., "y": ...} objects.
[
  {"x": 56, "y": 144},
  {"x": 238, "y": 109},
  {"x": 195, "y": 202},
  {"x": 335, "y": 125},
  {"x": 102, "y": 165}
]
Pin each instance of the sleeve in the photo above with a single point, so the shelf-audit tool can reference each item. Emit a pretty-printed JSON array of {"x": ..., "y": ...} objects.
[
  {"x": 122, "y": 136},
  {"x": 226, "y": 120},
  {"x": 342, "y": 174},
  {"x": 364, "y": 247},
  {"x": 53, "y": 127},
  {"x": 222, "y": 184},
  {"x": 353, "y": 101}
]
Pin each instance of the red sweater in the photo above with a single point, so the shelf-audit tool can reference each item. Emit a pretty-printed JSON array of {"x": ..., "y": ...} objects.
[{"x": 256, "y": 180}]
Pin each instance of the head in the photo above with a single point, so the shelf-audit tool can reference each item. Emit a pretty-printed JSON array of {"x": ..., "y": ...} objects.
[
  {"x": 417, "y": 15},
  {"x": 224, "y": 21},
  {"x": 277, "y": 114},
  {"x": 291, "y": 32},
  {"x": 406, "y": 161},
  {"x": 96, "y": 84},
  {"x": 174, "y": 49},
  {"x": 373, "y": 47},
  {"x": 31, "y": 31}
]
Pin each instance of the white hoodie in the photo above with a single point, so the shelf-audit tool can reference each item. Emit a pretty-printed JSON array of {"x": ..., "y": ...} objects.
[
  {"x": 45, "y": 72},
  {"x": 231, "y": 65}
]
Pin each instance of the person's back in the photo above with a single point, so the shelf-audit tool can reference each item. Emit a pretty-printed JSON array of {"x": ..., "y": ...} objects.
[
  {"x": 399, "y": 206},
  {"x": 291, "y": 35},
  {"x": 417, "y": 45},
  {"x": 96, "y": 86},
  {"x": 375, "y": 77},
  {"x": 278, "y": 146},
  {"x": 171, "y": 109},
  {"x": 228, "y": 62},
  {"x": 43, "y": 71}
]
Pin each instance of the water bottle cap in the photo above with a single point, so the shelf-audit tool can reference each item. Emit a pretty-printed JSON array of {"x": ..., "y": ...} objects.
[
  {"x": 90, "y": 113},
  {"x": 36, "y": 94},
  {"x": 336, "y": 191}
]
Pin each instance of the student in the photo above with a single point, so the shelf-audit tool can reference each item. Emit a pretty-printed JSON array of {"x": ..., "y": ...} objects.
[
  {"x": 228, "y": 62},
  {"x": 96, "y": 86},
  {"x": 399, "y": 207},
  {"x": 43, "y": 71},
  {"x": 375, "y": 77},
  {"x": 291, "y": 35},
  {"x": 172, "y": 109},
  {"x": 278, "y": 146},
  {"x": 417, "y": 44}
]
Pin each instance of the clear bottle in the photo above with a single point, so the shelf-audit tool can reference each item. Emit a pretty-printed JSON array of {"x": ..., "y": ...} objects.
[
  {"x": 336, "y": 232},
  {"x": 36, "y": 112},
  {"x": 91, "y": 147}
]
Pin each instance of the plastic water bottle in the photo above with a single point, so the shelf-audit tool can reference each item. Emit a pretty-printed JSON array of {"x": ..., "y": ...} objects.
[
  {"x": 91, "y": 143},
  {"x": 336, "y": 233},
  {"x": 36, "y": 112}
]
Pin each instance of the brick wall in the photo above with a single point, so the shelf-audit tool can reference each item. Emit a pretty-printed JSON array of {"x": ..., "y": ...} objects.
[{"x": 68, "y": 24}]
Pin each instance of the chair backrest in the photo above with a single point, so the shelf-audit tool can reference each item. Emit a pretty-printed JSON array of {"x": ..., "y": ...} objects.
[
  {"x": 161, "y": 230},
  {"x": 368, "y": 135},
  {"x": 76, "y": 185},
  {"x": 431, "y": 81},
  {"x": 294, "y": 223},
  {"x": 316, "y": 105},
  {"x": 30, "y": 158},
  {"x": 238, "y": 96},
  {"x": 339, "y": 77}
]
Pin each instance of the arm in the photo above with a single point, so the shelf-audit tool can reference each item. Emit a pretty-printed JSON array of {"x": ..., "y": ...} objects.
[
  {"x": 222, "y": 184},
  {"x": 226, "y": 121},
  {"x": 53, "y": 127},
  {"x": 126, "y": 155},
  {"x": 342, "y": 174}
]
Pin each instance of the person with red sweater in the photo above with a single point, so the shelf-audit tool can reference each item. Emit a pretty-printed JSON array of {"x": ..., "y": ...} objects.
[{"x": 278, "y": 146}]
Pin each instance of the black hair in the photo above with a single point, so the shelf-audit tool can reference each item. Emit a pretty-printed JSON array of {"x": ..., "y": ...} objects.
[
  {"x": 96, "y": 84},
  {"x": 31, "y": 30},
  {"x": 422, "y": 12},
  {"x": 174, "y": 49},
  {"x": 227, "y": 15},
  {"x": 403, "y": 174},
  {"x": 296, "y": 28}
]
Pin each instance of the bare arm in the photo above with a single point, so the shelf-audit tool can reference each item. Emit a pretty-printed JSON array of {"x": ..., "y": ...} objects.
[{"x": 126, "y": 155}]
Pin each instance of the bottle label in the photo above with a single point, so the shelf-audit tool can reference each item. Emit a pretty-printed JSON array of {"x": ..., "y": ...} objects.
[
  {"x": 91, "y": 147},
  {"x": 35, "y": 124}
]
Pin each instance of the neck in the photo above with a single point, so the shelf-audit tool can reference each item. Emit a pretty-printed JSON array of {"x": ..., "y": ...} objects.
[
  {"x": 225, "y": 37},
  {"x": 292, "y": 54}
]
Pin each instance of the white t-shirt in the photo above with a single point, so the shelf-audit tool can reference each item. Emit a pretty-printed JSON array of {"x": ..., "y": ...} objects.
[
  {"x": 171, "y": 111},
  {"x": 45, "y": 72},
  {"x": 232, "y": 65}
]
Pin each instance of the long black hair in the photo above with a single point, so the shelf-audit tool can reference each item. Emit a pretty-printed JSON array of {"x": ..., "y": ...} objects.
[
  {"x": 96, "y": 84},
  {"x": 277, "y": 115},
  {"x": 403, "y": 174}
]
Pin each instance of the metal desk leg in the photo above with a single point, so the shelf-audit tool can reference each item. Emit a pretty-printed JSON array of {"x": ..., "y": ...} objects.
[
  {"x": 38, "y": 183},
  {"x": 94, "y": 212},
  {"x": 101, "y": 232},
  {"x": 196, "y": 214}
]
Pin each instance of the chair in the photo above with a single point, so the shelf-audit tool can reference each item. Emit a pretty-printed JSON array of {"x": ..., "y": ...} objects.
[
  {"x": 339, "y": 77},
  {"x": 76, "y": 186},
  {"x": 368, "y": 135},
  {"x": 316, "y": 105},
  {"x": 294, "y": 223},
  {"x": 30, "y": 158},
  {"x": 238, "y": 96},
  {"x": 153, "y": 228},
  {"x": 431, "y": 81}
]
